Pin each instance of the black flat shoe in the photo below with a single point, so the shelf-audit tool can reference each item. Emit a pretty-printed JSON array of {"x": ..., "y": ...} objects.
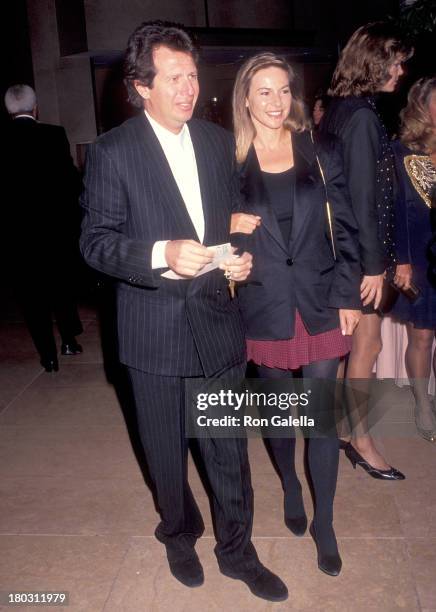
[
  {"x": 329, "y": 564},
  {"x": 71, "y": 348},
  {"x": 50, "y": 365},
  {"x": 297, "y": 525},
  {"x": 188, "y": 571},
  {"x": 357, "y": 459},
  {"x": 265, "y": 584}
]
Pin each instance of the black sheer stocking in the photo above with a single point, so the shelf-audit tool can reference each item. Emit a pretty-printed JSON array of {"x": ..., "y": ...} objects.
[
  {"x": 322, "y": 455},
  {"x": 418, "y": 365}
]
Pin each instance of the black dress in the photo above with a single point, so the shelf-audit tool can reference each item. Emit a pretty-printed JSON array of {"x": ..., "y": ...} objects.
[{"x": 416, "y": 180}]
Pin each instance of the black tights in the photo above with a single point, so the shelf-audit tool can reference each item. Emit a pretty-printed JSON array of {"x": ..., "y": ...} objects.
[{"x": 322, "y": 459}]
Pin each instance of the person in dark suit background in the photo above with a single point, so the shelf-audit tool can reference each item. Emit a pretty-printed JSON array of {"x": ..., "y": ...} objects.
[
  {"x": 41, "y": 225},
  {"x": 302, "y": 299},
  {"x": 158, "y": 189}
]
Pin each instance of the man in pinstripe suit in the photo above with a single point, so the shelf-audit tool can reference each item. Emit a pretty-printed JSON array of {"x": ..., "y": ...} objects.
[{"x": 158, "y": 189}]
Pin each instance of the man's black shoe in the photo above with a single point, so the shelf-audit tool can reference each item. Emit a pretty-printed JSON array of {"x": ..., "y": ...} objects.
[
  {"x": 188, "y": 571},
  {"x": 265, "y": 585},
  {"x": 50, "y": 364},
  {"x": 71, "y": 348}
]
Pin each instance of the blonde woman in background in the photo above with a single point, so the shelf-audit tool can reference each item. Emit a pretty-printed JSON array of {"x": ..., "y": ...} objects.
[{"x": 415, "y": 160}]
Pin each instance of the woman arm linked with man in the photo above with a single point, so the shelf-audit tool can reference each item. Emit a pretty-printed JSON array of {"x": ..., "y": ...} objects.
[{"x": 301, "y": 302}]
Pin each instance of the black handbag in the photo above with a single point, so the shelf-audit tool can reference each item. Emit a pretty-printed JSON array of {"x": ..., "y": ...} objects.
[{"x": 390, "y": 293}]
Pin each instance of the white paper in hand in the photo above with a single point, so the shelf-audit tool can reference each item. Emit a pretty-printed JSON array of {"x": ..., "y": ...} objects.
[{"x": 222, "y": 252}]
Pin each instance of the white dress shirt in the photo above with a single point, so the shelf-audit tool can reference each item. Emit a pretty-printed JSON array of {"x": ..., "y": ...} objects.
[{"x": 179, "y": 151}]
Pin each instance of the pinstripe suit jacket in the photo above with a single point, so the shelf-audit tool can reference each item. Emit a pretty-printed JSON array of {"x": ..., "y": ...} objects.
[{"x": 130, "y": 201}]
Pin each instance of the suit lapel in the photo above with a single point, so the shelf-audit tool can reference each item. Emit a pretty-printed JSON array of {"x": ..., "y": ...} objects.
[
  {"x": 155, "y": 160},
  {"x": 254, "y": 191}
]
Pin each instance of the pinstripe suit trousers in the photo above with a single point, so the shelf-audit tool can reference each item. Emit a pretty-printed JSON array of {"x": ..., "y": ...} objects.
[{"x": 160, "y": 406}]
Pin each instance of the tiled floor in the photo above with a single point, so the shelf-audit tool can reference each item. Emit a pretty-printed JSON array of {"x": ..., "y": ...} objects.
[{"x": 76, "y": 515}]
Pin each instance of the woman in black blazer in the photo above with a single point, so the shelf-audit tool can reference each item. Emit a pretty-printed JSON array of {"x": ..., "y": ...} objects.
[
  {"x": 302, "y": 298},
  {"x": 370, "y": 63}
]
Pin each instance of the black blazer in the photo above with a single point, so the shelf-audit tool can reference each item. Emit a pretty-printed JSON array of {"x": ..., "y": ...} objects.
[
  {"x": 354, "y": 122},
  {"x": 413, "y": 229},
  {"x": 302, "y": 274},
  {"x": 130, "y": 201}
]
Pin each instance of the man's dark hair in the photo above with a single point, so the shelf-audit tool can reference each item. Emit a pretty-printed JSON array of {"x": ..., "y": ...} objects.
[{"x": 138, "y": 60}]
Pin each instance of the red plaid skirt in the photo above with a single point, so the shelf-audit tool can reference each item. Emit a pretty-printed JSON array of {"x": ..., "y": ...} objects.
[{"x": 300, "y": 350}]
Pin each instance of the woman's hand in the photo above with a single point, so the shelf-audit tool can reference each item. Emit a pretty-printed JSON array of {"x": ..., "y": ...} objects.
[
  {"x": 403, "y": 276},
  {"x": 349, "y": 320},
  {"x": 244, "y": 223},
  {"x": 371, "y": 289}
]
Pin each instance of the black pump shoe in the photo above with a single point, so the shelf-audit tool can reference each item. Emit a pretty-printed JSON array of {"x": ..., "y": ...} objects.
[
  {"x": 357, "y": 459},
  {"x": 329, "y": 564}
]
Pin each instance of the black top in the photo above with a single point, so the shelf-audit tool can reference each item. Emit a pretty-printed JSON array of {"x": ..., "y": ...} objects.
[
  {"x": 280, "y": 190},
  {"x": 369, "y": 170}
]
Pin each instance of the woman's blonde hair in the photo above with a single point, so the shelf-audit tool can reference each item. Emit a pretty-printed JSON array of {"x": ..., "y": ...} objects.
[
  {"x": 363, "y": 64},
  {"x": 418, "y": 131},
  {"x": 245, "y": 131}
]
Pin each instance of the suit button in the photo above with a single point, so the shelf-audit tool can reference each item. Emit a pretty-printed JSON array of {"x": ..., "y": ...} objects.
[
  {"x": 289, "y": 261},
  {"x": 218, "y": 291}
]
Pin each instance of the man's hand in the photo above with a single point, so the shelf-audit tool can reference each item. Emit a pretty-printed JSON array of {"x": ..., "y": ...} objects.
[
  {"x": 371, "y": 289},
  {"x": 187, "y": 257},
  {"x": 243, "y": 223},
  {"x": 239, "y": 268},
  {"x": 349, "y": 319},
  {"x": 403, "y": 276}
]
